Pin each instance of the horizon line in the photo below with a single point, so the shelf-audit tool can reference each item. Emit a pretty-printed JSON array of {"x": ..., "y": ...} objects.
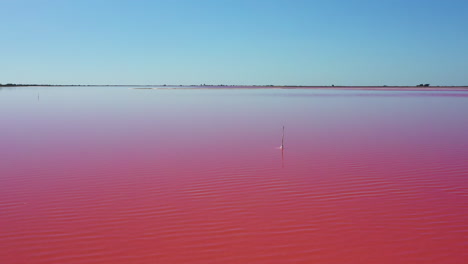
[{"x": 227, "y": 85}]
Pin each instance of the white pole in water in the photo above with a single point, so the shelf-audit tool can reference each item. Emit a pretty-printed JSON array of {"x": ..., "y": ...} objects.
[{"x": 282, "y": 140}]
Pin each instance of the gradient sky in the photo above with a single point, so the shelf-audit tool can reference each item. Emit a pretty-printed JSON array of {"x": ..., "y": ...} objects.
[{"x": 281, "y": 42}]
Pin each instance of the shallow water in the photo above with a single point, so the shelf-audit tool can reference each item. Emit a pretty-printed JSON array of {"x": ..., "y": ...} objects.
[{"x": 115, "y": 175}]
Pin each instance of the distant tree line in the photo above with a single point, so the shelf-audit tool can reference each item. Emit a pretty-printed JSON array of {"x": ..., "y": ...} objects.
[
  {"x": 19, "y": 84},
  {"x": 8, "y": 84},
  {"x": 23, "y": 84},
  {"x": 423, "y": 85}
]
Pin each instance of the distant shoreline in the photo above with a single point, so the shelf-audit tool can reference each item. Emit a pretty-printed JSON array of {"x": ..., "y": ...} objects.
[
  {"x": 406, "y": 88},
  {"x": 164, "y": 87}
]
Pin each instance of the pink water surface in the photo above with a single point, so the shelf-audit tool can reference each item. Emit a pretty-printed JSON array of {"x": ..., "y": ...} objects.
[{"x": 114, "y": 175}]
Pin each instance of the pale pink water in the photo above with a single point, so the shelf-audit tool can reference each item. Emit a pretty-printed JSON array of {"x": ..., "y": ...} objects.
[{"x": 112, "y": 175}]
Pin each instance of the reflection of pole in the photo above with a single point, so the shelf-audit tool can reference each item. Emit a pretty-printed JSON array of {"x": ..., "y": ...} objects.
[{"x": 282, "y": 158}]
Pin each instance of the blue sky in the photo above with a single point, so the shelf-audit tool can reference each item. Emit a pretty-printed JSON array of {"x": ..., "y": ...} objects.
[{"x": 281, "y": 42}]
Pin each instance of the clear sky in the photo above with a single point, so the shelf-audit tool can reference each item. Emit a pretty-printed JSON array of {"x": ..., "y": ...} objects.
[{"x": 281, "y": 42}]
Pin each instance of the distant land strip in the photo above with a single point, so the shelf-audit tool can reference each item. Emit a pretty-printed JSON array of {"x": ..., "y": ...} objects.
[{"x": 221, "y": 86}]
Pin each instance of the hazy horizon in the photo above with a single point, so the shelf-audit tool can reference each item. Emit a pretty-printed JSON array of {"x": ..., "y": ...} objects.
[{"x": 225, "y": 85}]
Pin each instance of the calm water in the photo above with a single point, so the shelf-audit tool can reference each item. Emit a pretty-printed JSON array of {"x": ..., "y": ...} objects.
[{"x": 114, "y": 175}]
